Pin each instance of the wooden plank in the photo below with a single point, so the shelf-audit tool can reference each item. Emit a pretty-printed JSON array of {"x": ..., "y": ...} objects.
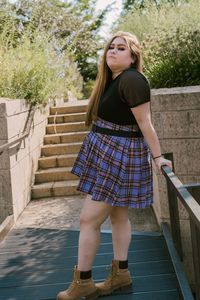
[
  {"x": 19, "y": 278},
  {"x": 141, "y": 285},
  {"x": 8, "y": 247},
  {"x": 69, "y": 251},
  {"x": 35, "y": 234},
  {"x": 155, "y": 295},
  {"x": 101, "y": 259},
  {"x": 15, "y": 243},
  {"x": 41, "y": 265}
]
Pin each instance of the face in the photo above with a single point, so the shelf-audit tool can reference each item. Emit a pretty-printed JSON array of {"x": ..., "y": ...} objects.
[{"x": 118, "y": 56}]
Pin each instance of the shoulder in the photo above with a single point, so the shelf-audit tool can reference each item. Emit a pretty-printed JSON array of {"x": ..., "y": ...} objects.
[
  {"x": 132, "y": 76},
  {"x": 134, "y": 87}
]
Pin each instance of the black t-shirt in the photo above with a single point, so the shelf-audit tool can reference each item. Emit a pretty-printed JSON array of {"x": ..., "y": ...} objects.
[{"x": 129, "y": 89}]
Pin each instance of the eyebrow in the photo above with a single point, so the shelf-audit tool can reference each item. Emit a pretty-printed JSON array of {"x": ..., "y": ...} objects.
[{"x": 112, "y": 44}]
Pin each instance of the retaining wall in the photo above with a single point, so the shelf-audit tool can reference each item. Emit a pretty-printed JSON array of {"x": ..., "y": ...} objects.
[{"x": 18, "y": 166}]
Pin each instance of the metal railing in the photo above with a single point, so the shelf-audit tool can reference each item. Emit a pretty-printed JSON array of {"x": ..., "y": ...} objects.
[
  {"x": 189, "y": 195},
  {"x": 21, "y": 136}
]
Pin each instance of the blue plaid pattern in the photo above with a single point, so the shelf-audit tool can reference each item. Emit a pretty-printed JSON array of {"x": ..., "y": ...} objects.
[{"x": 116, "y": 170}]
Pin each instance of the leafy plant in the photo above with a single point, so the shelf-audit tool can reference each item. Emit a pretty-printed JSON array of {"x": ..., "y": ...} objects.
[
  {"x": 173, "y": 59},
  {"x": 33, "y": 71},
  {"x": 71, "y": 26},
  {"x": 169, "y": 34}
]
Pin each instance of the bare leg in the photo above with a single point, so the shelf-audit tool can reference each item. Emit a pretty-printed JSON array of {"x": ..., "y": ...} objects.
[
  {"x": 121, "y": 232},
  {"x": 92, "y": 216}
]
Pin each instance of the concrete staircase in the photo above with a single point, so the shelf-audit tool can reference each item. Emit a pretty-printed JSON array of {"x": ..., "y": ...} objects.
[{"x": 64, "y": 135}]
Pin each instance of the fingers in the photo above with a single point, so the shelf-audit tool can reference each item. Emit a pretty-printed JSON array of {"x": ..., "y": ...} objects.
[{"x": 166, "y": 163}]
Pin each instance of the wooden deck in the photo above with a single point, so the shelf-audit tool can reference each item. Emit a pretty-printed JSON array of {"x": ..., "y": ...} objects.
[{"x": 35, "y": 264}]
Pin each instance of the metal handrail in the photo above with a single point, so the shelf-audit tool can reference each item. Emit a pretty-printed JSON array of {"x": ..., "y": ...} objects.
[
  {"x": 189, "y": 195},
  {"x": 23, "y": 135},
  {"x": 190, "y": 204}
]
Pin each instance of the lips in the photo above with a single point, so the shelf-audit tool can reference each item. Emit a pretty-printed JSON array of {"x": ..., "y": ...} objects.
[{"x": 111, "y": 56}]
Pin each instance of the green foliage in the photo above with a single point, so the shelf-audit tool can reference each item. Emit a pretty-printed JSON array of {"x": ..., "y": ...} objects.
[
  {"x": 87, "y": 88},
  {"x": 170, "y": 36},
  {"x": 34, "y": 72},
  {"x": 45, "y": 47},
  {"x": 129, "y": 5},
  {"x": 173, "y": 59},
  {"x": 71, "y": 26}
]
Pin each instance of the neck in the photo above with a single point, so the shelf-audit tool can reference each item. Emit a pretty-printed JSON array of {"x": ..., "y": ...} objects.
[{"x": 115, "y": 74}]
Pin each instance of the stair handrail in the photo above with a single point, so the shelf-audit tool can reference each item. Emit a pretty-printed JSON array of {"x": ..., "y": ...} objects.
[
  {"x": 23, "y": 135},
  {"x": 189, "y": 195}
]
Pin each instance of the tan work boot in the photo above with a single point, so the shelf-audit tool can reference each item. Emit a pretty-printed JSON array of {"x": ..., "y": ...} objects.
[
  {"x": 79, "y": 288},
  {"x": 119, "y": 280}
]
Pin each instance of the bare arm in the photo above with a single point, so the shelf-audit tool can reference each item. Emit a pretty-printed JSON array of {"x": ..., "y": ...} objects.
[{"x": 142, "y": 115}]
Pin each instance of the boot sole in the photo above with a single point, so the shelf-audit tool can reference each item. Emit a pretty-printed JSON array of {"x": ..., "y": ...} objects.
[
  {"x": 93, "y": 296},
  {"x": 126, "y": 289}
]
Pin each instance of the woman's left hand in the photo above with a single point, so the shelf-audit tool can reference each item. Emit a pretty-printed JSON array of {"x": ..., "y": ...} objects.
[{"x": 161, "y": 161}]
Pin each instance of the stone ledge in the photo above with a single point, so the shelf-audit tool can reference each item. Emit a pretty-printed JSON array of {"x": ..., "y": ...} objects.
[{"x": 176, "y": 90}]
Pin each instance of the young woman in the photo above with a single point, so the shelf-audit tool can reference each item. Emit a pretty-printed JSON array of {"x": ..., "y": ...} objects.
[{"x": 114, "y": 164}]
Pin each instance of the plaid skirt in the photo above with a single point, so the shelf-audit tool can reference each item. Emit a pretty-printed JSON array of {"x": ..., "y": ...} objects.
[{"x": 114, "y": 169}]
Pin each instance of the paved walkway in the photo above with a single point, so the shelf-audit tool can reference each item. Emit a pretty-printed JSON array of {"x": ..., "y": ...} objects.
[{"x": 63, "y": 213}]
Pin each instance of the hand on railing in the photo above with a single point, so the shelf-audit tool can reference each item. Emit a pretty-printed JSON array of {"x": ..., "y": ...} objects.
[{"x": 161, "y": 161}]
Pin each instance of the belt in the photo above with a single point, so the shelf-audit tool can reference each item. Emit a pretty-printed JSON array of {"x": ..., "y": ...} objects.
[{"x": 107, "y": 131}]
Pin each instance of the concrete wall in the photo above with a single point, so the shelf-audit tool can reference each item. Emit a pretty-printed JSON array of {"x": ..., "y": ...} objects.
[
  {"x": 176, "y": 118},
  {"x": 18, "y": 166}
]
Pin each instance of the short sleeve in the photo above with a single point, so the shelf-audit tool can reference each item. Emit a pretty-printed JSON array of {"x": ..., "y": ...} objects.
[{"x": 134, "y": 88}]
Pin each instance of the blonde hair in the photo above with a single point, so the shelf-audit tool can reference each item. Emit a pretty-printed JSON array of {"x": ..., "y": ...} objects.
[{"x": 104, "y": 75}]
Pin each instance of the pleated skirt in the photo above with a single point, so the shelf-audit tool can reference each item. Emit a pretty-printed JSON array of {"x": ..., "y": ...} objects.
[{"x": 113, "y": 169}]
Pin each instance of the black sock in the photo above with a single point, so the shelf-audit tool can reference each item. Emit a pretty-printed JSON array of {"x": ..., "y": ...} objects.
[
  {"x": 85, "y": 274},
  {"x": 123, "y": 264}
]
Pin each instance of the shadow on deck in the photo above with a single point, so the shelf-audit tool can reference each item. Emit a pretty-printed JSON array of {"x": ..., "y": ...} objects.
[{"x": 36, "y": 264}]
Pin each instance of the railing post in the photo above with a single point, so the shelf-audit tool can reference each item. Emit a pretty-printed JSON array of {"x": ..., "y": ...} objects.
[
  {"x": 174, "y": 213},
  {"x": 195, "y": 236}
]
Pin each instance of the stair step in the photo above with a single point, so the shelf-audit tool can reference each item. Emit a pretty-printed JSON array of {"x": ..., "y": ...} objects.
[
  {"x": 65, "y": 127},
  {"x": 65, "y": 118},
  {"x": 55, "y": 189},
  {"x": 57, "y": 149},
  {"x": 68, "y": 109},
  {"x": 65, "y": 133},
  {"x": 54, "y": 174},
  {"x": 57, "y": 161},
  {"x": 69, "y": 137}
]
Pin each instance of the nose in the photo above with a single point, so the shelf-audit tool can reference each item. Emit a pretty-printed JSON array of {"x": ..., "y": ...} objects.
[{"x": 113, "y": 50}]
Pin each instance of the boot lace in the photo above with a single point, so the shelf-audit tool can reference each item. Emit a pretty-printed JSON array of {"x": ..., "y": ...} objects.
[
  {"x": 72, "y": 286},
  {"x": 109, "y": 278}
]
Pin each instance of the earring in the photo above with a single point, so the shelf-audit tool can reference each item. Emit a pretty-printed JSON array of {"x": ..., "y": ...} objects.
[{"x": 133, "y": 65}]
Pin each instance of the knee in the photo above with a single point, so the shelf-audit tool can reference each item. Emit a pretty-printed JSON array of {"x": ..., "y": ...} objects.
[
  {"x": 117, "y": 219},
  {"x": 87, "y": 221}
]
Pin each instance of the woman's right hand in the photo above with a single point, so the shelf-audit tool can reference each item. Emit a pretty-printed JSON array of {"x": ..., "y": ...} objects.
[{"x": 161, "y": 161}]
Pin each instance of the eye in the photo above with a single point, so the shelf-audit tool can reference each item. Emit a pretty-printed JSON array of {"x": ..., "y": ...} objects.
[
  {"x": 110, "y": 47},
  {"x": 121, "y": 48}
]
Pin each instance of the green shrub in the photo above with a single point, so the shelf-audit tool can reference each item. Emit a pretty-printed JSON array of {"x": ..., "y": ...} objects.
[
  {"x": 87, "y": 88},
  {"x": 173, "y": 59},
  {"x": 35, "y": 72},
  {"x": 170, "y": 37}
]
